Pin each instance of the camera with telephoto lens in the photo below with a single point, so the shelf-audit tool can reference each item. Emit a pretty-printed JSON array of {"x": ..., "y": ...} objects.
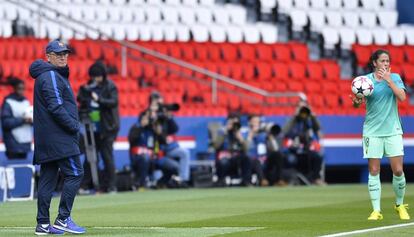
[
  {"x": 161, "y": 113},
  {"x": 275, "y": 130},
  {"x": 85, "y": 96}
]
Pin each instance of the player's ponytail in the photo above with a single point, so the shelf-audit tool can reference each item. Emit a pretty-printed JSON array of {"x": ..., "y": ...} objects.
[{"x": 374, "y": 57}]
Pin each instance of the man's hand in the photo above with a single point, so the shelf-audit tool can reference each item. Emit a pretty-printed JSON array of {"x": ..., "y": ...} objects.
[{"x": 95, "y": 96}]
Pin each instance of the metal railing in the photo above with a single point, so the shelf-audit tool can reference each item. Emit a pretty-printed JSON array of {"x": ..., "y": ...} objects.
[{"x": 40, "y": 8}]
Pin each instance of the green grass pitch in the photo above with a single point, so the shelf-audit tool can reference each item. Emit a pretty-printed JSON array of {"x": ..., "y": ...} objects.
[{"x": 291, "y": 211}]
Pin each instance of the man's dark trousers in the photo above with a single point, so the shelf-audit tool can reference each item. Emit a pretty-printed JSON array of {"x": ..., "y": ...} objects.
[
  {"x": 104, "y": 148},
  {"x": 72, "y": 170}
]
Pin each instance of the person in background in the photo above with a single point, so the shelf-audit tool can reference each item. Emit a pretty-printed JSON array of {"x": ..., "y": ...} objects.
[
  {"x": 302, "y": 135},
  {"x": 230, "y": 148},
  {"x": 382, "y": 132},
  {"x": 141, "y": 140},
  {"x": 102, "y": 106},
  {"x": 256, "y": 145},
  {"x": 16, "y": 121},
  {"x": 162, "y": 114},
  {"x": 275, "y": 158},
  {"x": 146, "y": 141}
]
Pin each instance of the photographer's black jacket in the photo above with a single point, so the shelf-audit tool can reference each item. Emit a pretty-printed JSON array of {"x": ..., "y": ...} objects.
[
  {"x": 55, "y": 116},
  {"x": 108, "y": 107}
]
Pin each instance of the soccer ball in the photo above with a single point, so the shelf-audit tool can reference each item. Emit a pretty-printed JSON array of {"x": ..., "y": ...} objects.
[{"x": 362, "y": 86}]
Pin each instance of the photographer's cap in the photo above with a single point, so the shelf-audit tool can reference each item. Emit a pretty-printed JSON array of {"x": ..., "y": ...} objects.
[{"x": 56, "y": 46}]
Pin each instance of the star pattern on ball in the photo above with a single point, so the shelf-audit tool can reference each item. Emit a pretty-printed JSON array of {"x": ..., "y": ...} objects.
[
  {"x": 371, "y": 88},
  {"x": 363, "y": 79},
  {"x": 360, "y": 90}
]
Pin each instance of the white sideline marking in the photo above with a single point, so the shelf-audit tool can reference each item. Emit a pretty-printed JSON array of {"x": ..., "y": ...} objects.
[{"x": 368, "y": 230}]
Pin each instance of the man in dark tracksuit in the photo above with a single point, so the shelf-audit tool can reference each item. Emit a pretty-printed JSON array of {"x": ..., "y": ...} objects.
[{"x": 56, "y": 132}]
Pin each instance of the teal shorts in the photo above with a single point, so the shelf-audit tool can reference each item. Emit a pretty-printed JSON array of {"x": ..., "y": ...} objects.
[{"x": 378, "y": 147}]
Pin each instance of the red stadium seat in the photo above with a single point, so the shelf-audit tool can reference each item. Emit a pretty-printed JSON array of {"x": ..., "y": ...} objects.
[
  {"x": 280, "y": 70},
  {"x": 188, "y": 52},
  {"x": 9, "y": 50},
  {"x": 331, "y": 100},
  {"x": 266, "y": 85},
  {"x": 111, "y": 51},
  {"x": 162, "y": 71},
  {"x": 279, "y": 85},
  {"x": 225, "y": 69},
  {"x": 313, "y": 87},
  {"x": 344, "y": 87},
  {"x": 329, "y": 87},
  {"x": 299, "y": 52},
  {"x": 134, "y": 69},
  {"x": 408, "y": 72},
  {"x": 173, "y": 71},
  {"x": 214, "y": 52},
  {"x": 345, "y": 101},
  {"x": 331, "y": 70},
  {"x": 229, "y": 52},
  {"x": 248, "y": 71},
  {"x": 397, "y": 54},
  {"x": 95, "y": 50},
  {"x": 161, "y": 47},
  {"x": 295, "y": 85},
  {"x": 297, "y": 70},
  {"x": 396, "y": 69},
  {"x": 174, "y": 50},
  {"x": 316, "y": 101},
  {"x": 40, "y": 48},
  {"x": 237, "y": 70},
  {"x": 362, "y": 53},
  {"x": 80, "y": 49},
  {"x": 409, "y": 53},
  {"x": 7, "y": 68},
  {"x": 201, "y": 52},
  {"x": 282, "y": 52},
  {"x": 264, "y": 52},
  {"x": 247, "y": 52},
  {"x": 149, "y": 70},
  {"x": 264, "y": 71},
  {"x": 314, "y": 70}
]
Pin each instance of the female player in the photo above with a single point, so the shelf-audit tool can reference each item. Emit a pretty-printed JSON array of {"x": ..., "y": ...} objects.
[{"x": 382, "y": 132}]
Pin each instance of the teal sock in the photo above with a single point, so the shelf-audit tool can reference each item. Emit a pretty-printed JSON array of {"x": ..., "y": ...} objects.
[
  {"x": 398, "y": 184},
  {"x": 374, "y": 188}
]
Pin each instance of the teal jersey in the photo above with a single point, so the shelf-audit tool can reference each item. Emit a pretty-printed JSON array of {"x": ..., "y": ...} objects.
[{"x": 382, "y": 117}]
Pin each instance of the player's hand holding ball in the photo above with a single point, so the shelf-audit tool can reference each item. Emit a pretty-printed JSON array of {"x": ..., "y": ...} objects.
[{"x": 362, "y": 87}]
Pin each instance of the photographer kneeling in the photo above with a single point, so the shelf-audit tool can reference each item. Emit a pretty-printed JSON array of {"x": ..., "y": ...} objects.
[
  {"x": 231, "y": 152},
  {"x": 99, "y": 99},
  {"x": 146, "y": 142},
  {"x": 302, "y": 133},
  {"x": 162, "y": 113}
]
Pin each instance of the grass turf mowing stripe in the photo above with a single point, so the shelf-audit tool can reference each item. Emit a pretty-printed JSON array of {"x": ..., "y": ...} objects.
[
  {"x": 154, "y": 231},
  {"x": 368, "y": 230}
]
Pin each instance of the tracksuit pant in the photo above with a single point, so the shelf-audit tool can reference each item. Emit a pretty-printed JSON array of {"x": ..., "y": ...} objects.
[{"x": 72, "y": 170}]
